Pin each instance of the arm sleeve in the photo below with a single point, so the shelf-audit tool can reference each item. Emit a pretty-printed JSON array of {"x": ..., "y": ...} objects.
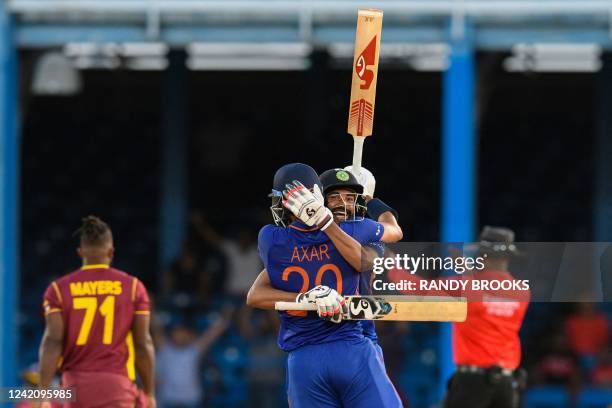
[
  {"x": 368, "y": 231},
  {"x": 52, "y": 299},
  {"x": 140, "y": 297},
  {"x": 376, "y": 207},
  {"x": 264, "y": 242}
]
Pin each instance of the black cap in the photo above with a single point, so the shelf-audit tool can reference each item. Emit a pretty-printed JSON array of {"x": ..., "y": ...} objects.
[{"x": 339, "y": 178}]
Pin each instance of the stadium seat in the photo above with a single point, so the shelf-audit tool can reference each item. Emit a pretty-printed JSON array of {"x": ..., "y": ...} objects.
[
  {"x": 546, "y": 397},
  {"x": 594, "y": 398}
]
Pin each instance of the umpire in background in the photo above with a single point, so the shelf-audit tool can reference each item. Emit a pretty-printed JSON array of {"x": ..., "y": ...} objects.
[{"x": 487, "y": 348}]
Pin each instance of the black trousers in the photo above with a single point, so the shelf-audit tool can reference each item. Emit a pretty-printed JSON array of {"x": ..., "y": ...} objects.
[{"x": 477, "y": 390}]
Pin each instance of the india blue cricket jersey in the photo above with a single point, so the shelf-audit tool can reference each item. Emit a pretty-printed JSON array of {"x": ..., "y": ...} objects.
[
  {"x": 298, "y": 259},
  {"x": 369, "y": 329}
]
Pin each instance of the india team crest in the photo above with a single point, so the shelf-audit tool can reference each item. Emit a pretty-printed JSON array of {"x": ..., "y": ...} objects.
[{"x": 342, "y": 175}]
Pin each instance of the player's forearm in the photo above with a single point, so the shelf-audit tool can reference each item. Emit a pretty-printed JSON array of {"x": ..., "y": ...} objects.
[
  {"x": 264, "y": 297},
  {"x": 49, "y": 355},
  {"x": 379, "y": 211},
  {"x": 348, "y": 247},
  {"x": 393, "y": 232},
  {"x": 145, "y": 364}
]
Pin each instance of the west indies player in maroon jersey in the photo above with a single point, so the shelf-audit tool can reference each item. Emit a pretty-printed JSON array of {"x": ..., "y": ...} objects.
[{"x": 97, "y": 329}]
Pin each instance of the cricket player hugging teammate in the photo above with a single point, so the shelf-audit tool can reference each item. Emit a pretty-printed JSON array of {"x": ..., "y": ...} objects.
[{"x": 313, "y": 255}]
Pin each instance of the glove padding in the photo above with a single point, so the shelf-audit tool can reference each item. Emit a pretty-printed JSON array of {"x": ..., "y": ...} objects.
[
  {"x": 308, "y": 207},
  {"x": 330, "y": 305},
  {"x": 366, "y": 179}
]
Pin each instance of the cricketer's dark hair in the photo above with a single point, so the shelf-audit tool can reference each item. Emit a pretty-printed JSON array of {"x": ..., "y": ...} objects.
[{"x": 93, "y": 231}]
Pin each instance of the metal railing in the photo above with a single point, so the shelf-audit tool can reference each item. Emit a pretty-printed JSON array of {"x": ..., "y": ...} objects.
[
  {"x": 306, "y": 16},
  {"x": 334, "y": 8}
]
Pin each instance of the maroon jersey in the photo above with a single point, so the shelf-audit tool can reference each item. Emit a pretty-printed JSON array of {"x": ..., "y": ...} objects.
[{"x": 98, "y": 304}]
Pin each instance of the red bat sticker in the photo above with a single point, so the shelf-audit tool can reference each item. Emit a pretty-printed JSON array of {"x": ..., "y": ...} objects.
[
  {"x": 362, "y": 112},
  {"x": 361, "y": 66}
]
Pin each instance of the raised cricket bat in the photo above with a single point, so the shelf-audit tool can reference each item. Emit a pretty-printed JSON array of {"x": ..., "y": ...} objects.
[
  {"x": 363, "y": 85},
  {"x": 404, "y": 308}
]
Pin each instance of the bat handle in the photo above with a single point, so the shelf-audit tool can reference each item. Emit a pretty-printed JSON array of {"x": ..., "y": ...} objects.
[
  {"x": 357, "y": 151},
  {"x": 294, "y": 306}
]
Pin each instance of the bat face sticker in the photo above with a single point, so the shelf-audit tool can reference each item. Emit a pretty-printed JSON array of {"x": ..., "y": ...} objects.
[
  {"x": 370, "y": 309},
  {"x": 362, "y": 308},
  {"x": 365, "y": 59}
]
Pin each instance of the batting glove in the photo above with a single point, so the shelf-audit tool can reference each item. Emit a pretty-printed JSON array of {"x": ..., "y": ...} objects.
[
  {"x": 307, "y": 206},
  {"x": 330, "y": 305},
  {"x": 366, "y": 179}
]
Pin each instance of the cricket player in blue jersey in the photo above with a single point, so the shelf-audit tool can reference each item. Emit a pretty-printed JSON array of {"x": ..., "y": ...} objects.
[
  {"x": 331, "y": 363},
  {"x": 345, "y": 195}
]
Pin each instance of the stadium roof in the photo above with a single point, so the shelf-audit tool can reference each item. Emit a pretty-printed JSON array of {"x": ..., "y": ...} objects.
[{"x": 491, "y": 24}]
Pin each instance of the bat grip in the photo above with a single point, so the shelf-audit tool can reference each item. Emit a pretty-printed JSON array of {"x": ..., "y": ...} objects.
[
  {"x": 357, "y": 151},
  {"x": 295, "y": 306}
]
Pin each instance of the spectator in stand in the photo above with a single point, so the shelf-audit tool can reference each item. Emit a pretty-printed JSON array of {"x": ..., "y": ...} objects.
[
  {"x": 559, "y": 365},
  {"x": 212, "y": 260},
  {"x": 178, "y": 362},
  {"x": 242, "y": 257},
  {"x": 602, "y": 374},
  {"x": 588, "y": 332},
  {"x": 185, "y": 275},
  {"x": 214, "y": 266},
  {"x": 266, "y": 368}
]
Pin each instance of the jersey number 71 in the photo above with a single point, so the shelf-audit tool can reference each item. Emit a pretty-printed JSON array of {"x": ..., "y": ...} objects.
[{"x": 107, "y": 310}]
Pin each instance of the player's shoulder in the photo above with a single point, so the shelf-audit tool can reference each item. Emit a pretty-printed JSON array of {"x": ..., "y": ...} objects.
[
  {"x": 365, "y": 230},
  {"x": 120, "y": 273},
  {"x": 357, "y": 225},
  {"x": 66, "y": 278},
  {"x": 78, "y": 275},
  {"x": 268, "y": 229},
  {"x": 269, "y": 233},
  {"x": 366, "y": 222}
]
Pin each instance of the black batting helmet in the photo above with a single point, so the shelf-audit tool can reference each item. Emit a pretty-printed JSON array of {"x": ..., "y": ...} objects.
[
  {"x": 333, "y": 179},
  {"x": 286, "y": 175}
]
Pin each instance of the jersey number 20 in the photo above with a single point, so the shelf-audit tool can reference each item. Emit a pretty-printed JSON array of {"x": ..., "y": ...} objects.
[
  {"x": 318, "y": 279},
  {"x": 107, "y": 310}
]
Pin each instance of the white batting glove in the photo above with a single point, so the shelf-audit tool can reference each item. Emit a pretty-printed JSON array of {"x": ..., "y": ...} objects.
[
  {"x": 307, "y": 206},
  {"x": 366, "y": 179},
  {"x": 330, "y": 305}
]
